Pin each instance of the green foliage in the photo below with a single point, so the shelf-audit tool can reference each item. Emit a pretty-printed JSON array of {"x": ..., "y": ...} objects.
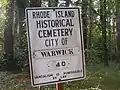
[
  {"x": 20, "y": 43},
  {"x": 3, "y": 3},
  {"x": 93, "y": 56},
  {"x": 20, "y": 48}
]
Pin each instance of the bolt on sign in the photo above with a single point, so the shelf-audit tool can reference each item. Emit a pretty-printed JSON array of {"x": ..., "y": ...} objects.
[{"x": 55, "y": 43}]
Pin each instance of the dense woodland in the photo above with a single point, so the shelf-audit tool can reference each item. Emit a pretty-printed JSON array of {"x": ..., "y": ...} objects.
[{"x": 101, "y": 32}]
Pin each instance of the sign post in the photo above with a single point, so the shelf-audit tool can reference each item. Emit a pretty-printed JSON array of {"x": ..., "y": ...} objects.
[
  {"x": 55, "y": 40},
  {"x": 40, "y": 88},
  {"x": 59, "y": 86}
]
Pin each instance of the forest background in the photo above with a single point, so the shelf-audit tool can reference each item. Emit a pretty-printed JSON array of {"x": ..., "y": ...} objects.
[{"x": 101, "y": 31}]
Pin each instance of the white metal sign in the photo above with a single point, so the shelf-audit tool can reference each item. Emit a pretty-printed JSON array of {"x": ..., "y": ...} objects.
[{"x": 55, "y": 40}]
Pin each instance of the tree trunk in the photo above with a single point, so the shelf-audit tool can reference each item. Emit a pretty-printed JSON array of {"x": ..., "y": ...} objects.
[
  {"x": 90, "y": 23},
  {"x": 104, "y": 32},
  {"x": 84, "y": 20},
  {"x": 35, "y": 3},
  {"x": 56, "y": 3},
  {"x": 118, "y": 30},
  {"x": 8, "y": 35},
  {"x": 67, "y": 3}
]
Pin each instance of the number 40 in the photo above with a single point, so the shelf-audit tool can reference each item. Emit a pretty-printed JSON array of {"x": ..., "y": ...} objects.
[{"x": 59, "y": 64}]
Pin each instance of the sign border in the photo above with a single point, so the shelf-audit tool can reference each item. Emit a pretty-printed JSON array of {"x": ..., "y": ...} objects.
[{"x": 29, "y": 45}]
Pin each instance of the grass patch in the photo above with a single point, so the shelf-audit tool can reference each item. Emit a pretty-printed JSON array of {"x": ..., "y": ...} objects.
[{"x": 98, "y": 78}]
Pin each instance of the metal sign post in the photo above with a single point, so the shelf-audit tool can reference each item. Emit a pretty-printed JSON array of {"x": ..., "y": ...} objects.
[
  {"x": 59, "y": 86},
  {"x": 40, "y": 88}
]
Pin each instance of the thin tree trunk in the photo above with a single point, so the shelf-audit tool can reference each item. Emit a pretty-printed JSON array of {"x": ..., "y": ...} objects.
[
  {"x": 118, "y": 29},
  {"x": 103, "y": 29},
  {"x": 49, "y": 3},
  {"x": 8, "y": 35},
  {"x": 35, "y": 3},
  {"x": 67, "y": 3},
  {"x": 90, "y": 23},
  {"x": 90, "y": 31},
  {"x": 84, "y": 20},
  {"x": 109, "y": 31},
  {"x": 56, "y": 3}
]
